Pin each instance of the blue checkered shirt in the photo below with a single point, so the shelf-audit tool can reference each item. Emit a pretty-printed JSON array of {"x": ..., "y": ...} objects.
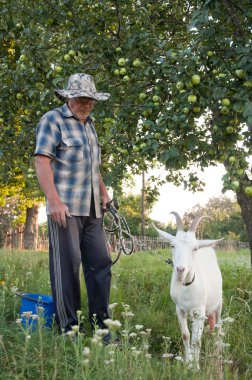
[{"x": 75, "y": 152}]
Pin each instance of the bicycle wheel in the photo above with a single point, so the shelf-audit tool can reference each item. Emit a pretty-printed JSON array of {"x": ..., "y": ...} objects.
[{"x": 126, "y": 239}]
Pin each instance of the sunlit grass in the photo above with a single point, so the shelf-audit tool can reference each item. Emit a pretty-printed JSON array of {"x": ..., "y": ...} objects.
[{"x": 151, "y": 345}]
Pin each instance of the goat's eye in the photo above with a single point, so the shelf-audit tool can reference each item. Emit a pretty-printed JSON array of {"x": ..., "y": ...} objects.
[
  {"x": 172, "y": 246},
  {"x": 195, "y": 249}
]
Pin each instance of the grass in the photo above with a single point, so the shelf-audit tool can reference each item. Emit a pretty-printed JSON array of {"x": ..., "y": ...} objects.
[{"x": 140, "y": 289}]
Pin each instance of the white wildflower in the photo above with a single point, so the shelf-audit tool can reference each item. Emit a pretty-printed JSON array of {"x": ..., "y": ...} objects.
[
  {"x": 127, "y": 314},
  {"x": 228, "y": 361},
  {"x": 113, "y": 305},
  {"x": 18, "y": 321},
  {"x": 70, "y": 333},
  {"x": 136, "y": 352},
  {"x": 85, "y": 362},
  {"x": 34, "y": 317},
  {"x": 112, "y": 325},
  {"x": 110, "y": 361},
  {"x": 41, "y": 309},
  {"x": 228, "y": 320},
  {"x": 143, "y": 333},
  {"x": 78, "y": 312},
  {"x": 75, "y": 328},
  {"x": 86, "y": 352},
  {"x": 133, "y": 335},
  {"x": 26, "y": 314},
  {"x": 28, "y": 337},
  {"x": 95, "y": 340},
  {"x": 139, "y": 327},
  {"x": 166, "y": 338},
  {"x": 148, "y": 356},
  {"x": 101, "y": 332},
  {"x": 166, "y": 355},
  {"x": 179, "y": 358},
  {"x": 148, "y": 331},
  {"x": 146, "y": 346},
  {"x": 133, "y": 348}
]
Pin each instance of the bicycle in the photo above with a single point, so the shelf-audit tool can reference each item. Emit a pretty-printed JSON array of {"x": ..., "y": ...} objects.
[{"x": 115, "y": 224}]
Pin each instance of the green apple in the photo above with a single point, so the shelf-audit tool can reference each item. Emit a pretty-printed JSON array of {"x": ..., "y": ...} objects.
[
  {"x": 221, "y": 75},
  {"x": 126, "y": 78},
  {"x": 215, "y": 127},
  {"x": 71, "y": 53},
  {"x": 121, "y": 61},
  {"x": 232, "y": 159},
  {"x": 135, "y": 148},
  {"x": 235, "y": 185},
  {"x": 155, "y": 98},
  {"x": 225, "y": 102},
  {"x": 137, "y": 62},
  {"x": 185, "y": 110},
  {"x": 210, "y": 53},
  {"x": 69, "y": 14},
  {"x": 224, "y": 110},
  {"x": 166, "y": 131},
  {"x": 240, "y": 172},
  {"x": 192, "y": 98},
  {"x": 118, "y": 50},
  {"x": 40, "y": 86},
  {"x": 67, "y": 57},
  {"x": 142, "y": 96},
  {"x": 195, "y": 79},
  {"x": 157, "y": 135},
  {"x": 247, "y": 84},
  {"x": 143, "y": 145},
  {"x": 240, "y": 137},
  {"x": 173, "y": 54},
  {"x": 180, "y": 85},
  {"x": 196, "y": 109},
  {"x": 229, "y": 129},
  {"x": 19, "y": 95},
  {"x": 117, "y": 72},
  {"x": 1, "y": 120},
  {"x": 123, "y": 71},
  {"x": 189, "y": 84},
  {"x": 248, "y": 191},
  {"x": 156, "y": 104},
  {"x": 58, "y": 69},
  {"x": 22, "y": 58},
  {"x": 241, "y": 74}
]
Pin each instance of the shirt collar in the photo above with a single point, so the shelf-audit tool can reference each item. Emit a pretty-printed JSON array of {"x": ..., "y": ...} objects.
[{"x": 66, "y": 112}]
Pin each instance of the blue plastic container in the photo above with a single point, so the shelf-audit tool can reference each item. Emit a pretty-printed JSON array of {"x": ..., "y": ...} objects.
[{"x": 30, "y": 303}]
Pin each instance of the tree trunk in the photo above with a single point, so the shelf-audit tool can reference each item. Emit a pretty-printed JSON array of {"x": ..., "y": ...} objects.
[
  {"x": 245, "y": 203},
  {"x": 31, "y": 228}
]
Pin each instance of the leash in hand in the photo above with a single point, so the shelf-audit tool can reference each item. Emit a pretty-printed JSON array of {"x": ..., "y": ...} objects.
[{"x": 115, "y": 224}]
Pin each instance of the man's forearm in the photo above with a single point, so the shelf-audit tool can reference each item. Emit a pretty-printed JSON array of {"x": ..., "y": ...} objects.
[{"x": 45, "y": 178}]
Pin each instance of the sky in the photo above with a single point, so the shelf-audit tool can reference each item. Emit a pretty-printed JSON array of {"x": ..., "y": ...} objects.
[{"x": 173, "y": 198}]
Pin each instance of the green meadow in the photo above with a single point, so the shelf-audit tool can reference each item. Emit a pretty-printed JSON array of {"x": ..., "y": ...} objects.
[{"x": 151, "y": 345}]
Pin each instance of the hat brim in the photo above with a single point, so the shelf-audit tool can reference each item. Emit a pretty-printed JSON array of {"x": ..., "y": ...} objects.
[{"x": 70, "y": 94}]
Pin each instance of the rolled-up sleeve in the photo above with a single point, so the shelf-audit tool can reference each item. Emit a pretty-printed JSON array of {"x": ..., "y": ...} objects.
[{"x": 48, "y": 136}]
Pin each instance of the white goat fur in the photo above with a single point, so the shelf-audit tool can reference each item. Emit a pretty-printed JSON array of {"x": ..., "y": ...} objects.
[{"x": 201, "y": 299}]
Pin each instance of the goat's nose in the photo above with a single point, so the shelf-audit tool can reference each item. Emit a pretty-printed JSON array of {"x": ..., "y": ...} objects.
[{"x": 180, "y": 270}]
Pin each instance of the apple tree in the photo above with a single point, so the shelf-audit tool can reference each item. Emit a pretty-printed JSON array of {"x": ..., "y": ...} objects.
[{"x": 180, "y": 84}]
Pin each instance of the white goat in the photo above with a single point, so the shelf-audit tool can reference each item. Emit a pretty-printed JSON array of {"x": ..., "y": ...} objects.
[{"x": 196, "y": 284}]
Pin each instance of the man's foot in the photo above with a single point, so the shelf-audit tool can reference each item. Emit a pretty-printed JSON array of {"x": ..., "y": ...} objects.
[{"x": 109, "y": 339}]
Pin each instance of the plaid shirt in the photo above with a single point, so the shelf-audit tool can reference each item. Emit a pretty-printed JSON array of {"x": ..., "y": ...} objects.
[{"x": 75, "y": 154}]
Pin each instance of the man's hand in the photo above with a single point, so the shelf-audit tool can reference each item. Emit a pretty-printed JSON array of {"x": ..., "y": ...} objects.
[
  {"x": 105, "y": 200},
  {"x": 58, "y": 212}
]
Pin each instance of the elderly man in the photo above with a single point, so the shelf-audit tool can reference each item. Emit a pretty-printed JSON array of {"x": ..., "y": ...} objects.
[{"x": 67, "y": 165}]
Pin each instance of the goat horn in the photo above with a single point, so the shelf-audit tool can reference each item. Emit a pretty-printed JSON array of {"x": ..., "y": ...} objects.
[
  {"x": 195, "y": 223},
  {"x": 178, "y": 221}
]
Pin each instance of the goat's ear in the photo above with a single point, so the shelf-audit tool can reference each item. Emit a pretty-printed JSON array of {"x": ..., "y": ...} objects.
[
  {"x": 164, "y": 235},
  {"x": 208, "y": 243}
]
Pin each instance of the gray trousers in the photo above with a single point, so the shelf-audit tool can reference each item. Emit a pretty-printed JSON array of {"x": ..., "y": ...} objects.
[{"x": 82, "y": 241}]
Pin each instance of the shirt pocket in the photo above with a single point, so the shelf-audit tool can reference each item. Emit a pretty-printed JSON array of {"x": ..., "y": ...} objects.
[{"x": 71, "y": 149}]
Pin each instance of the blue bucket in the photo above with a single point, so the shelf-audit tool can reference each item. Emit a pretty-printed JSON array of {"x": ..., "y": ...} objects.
[{"x": 32, "y": 303}]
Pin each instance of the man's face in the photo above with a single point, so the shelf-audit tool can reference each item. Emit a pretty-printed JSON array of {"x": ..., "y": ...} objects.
[{"x": 85, "y": 104}]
